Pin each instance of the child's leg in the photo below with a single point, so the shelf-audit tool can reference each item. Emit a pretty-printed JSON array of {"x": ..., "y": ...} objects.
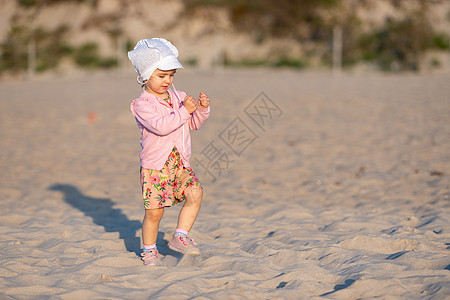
[
  {"x": 190, "y": 209},
  {"x": 180, "y": 241},
  {"x": 150, "y": 225}
]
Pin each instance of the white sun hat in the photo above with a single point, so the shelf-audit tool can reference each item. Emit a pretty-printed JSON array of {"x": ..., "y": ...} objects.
[{"x": 151, "y": 54}]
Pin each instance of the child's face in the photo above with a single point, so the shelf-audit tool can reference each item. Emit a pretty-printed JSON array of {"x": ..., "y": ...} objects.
[{"x": 160, "y": 81}]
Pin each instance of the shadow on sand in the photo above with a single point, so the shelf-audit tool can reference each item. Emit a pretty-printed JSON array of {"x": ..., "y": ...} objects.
[
  {"x": 112, "y": 219},
  {"x": 102, "y": 213}
]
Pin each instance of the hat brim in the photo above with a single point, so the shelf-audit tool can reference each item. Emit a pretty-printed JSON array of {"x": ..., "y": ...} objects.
[{"x": 170, "y": 64}]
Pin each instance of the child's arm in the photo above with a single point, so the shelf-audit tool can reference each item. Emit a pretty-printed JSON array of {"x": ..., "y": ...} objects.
[
  {"x": 146, "y": 113},
  {"x": 201, "y": 114}
]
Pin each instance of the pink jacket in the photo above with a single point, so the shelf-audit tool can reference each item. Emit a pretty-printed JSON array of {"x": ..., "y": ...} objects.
[{"x": 163, "y": 127}]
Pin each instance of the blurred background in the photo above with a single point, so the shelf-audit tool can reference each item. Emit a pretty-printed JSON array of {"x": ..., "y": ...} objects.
[{"x": 41, "y": 36}]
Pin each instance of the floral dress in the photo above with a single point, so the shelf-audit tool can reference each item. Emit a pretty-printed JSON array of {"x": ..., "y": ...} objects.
[{"x": 166, "y": 187}]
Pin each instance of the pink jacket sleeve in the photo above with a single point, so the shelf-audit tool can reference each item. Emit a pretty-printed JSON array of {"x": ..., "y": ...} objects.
[
  {"x": 198, "y": 118},
  {"x": 147, "y": 114}
]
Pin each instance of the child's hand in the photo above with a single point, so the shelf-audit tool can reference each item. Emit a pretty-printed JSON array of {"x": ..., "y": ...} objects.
[
  {"x": 203, "y": 100},
  {"x": 190, "y": 104}
]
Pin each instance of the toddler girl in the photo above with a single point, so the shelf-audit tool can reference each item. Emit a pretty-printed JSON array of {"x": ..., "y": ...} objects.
[{"x": 164, "y": 117}]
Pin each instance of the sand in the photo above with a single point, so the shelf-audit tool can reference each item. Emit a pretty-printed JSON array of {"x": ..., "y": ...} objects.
[{"x": 338, "y": 189}]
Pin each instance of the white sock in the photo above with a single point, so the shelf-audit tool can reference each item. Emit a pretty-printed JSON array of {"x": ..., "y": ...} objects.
[
  {"x": 180, "y": 232},
  {"x": 148, "y": 247}
]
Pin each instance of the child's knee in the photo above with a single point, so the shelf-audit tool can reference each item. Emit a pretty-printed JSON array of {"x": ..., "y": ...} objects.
[
  {"x": 194, "y": 195},
  {"x": 154, "y": 215}
]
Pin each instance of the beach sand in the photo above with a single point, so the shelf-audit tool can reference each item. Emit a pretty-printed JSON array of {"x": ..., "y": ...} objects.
[{"x": 324, "y": 186}]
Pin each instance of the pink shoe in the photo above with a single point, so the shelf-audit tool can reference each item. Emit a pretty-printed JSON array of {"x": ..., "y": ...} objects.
[
  {"x": 150, "y": 257},
  {"x": 184, "y": 244}
]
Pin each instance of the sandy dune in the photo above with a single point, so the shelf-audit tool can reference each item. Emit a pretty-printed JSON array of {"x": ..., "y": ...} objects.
[{"x": 333, "y": 187}]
